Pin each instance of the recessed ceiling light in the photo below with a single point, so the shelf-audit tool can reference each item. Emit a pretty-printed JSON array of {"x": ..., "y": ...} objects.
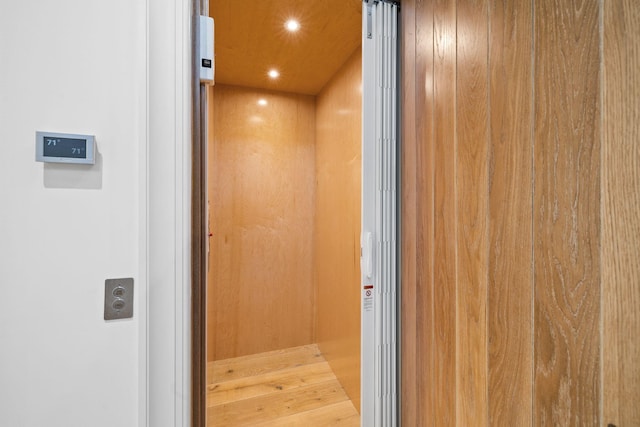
[
  {"x": 262, "y": 102},
  {"x": 274, "y": 74},
  {"x": 292, "y": 25}
]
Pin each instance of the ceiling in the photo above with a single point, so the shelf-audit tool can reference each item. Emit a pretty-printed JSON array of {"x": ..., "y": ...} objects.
[{"x": 250, "y": 39}]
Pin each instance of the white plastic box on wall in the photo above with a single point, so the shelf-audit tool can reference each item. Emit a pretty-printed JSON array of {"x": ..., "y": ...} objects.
[{"x": 206, "y": 60}]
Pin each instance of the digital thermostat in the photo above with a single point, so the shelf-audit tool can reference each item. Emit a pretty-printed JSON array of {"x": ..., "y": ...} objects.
[{"x": 65, "y": 148}]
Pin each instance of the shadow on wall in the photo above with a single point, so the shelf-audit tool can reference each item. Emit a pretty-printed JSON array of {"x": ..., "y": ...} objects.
[{"x": 62, "y": 175}]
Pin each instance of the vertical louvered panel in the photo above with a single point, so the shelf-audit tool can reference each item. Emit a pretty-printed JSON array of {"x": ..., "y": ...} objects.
[{"x": 380, "y": 140}]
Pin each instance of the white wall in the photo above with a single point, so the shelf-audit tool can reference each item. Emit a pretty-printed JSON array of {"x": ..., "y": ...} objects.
[
  {"x": 117, "y": 69},
  {"x": 69, "y": 66}
]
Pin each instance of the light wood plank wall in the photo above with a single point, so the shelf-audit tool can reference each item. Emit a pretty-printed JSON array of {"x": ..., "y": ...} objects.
[
  {"x": 520, "y": 193},
  {"x": 620, "y": 210},
  {"x": 262, "y": 204},
  {"x": 337, "y": 223},
  {"x": 284, "y": 181}
]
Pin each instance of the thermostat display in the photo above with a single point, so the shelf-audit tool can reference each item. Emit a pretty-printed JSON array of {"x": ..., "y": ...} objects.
[{"x": 65, "y": 148}]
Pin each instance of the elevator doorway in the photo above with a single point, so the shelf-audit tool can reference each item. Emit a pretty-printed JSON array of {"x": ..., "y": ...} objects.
[{"x": 284, "y": 187}]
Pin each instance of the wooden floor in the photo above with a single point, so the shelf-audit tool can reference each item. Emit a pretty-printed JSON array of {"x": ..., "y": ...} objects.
[{"x": 292, "y": 387}]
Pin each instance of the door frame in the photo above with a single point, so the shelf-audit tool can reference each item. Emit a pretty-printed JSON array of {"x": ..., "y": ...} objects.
[
  {"x": 165, "y": 168},
  {"x": 199, "y": 228}
]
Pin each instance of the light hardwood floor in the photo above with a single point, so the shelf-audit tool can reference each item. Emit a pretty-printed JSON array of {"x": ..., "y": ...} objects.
[{"x": 292, "y": 387}]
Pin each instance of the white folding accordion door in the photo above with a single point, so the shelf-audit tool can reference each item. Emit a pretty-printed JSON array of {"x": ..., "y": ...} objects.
[{"x": 379, "y": 261}]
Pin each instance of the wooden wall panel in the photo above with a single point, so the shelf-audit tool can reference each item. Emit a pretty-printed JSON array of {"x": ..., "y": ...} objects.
[
  {"x": 444, "y": 216},
  {"x": 510, "y": 170},
  {"x": 409, "y": 407},
  {"x": 422, "y": 156},
  {"x": 566, "y": 213},
  {"x": 620, "y": 187},
  {"x": 262, "y": 207},
  {"x": 471, "y": 180},
  {"x": 510, "y": 218},
  {"x": 338, "y": 155},
  {"x": 210, "y": 332}
]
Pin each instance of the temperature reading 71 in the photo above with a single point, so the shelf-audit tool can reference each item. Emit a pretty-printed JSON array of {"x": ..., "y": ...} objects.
[{"x": 65, "y": 148}]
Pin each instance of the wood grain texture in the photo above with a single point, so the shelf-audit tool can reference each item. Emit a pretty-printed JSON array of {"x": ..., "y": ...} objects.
[
  {"x": 211, "y": 307},
  {"x": 510, "y": 215},
  {"x": 410, "y": 395},
  {"x": 264, "y": 408},
  {"x": 444, "y": 217},
  {"x": 262, "y": 208},
  {"x": 260, "y": 385},
  {"x": 562, "y": 212},
  {"x": 620, "y": 220},
  {"x": 286, "y": 387},
  {"x": 472, "y": 208},
  {"x": 337, "y": 414},
  {"x": 258, "y": 364},
  {"x": 567, "y": 213},
  {"x": 251, "y": 39},
  {"x": 423, "y": 155},
  {"x": 338, "y": 156}
]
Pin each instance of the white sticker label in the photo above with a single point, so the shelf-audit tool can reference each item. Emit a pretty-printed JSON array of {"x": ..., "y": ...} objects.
[{"x": 367, "y": 298}]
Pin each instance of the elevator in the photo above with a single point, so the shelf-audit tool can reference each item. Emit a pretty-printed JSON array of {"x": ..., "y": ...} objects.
[
  {"x": 289, "y": 308},
  {"x": 284, "y": 189}
]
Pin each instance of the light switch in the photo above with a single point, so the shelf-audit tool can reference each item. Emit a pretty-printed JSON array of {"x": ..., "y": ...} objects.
[{"x": 118, "y": 298}]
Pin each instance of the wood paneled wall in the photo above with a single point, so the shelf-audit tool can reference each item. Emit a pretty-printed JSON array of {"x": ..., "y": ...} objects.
[
  {"x": 520, "y": 224},
  {"x": 337, "y": 223},
  {"x": 566, "y": 213},
  {"x": 620, "y": 213},
  {"x": 261, "y": 186}
]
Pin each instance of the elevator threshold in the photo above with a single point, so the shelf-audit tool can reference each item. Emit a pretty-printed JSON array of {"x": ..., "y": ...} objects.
[{"x": 291, "y": 387}]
